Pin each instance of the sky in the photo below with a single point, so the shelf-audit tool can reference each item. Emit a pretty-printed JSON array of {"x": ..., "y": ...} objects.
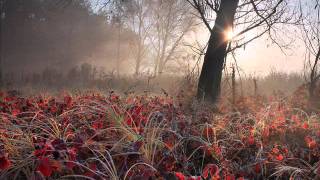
[{"x": 260, "y": 57}]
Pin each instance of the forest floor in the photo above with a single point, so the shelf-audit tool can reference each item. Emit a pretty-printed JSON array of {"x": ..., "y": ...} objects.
[{"x": 93, "y": 136}]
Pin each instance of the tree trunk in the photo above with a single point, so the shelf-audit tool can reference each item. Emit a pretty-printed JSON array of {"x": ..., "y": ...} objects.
[
  {"x": 160, "y": 67},
  {"x": 118, "y": 52},
  {"x": 138, "y": 61},
  {"x": 312, "y": 96},
  {"x": 211, "y": 73},
  {"x": 255, "y": 84},
  {"x": 233, "y": 85},
  {"x": 140, "y": 46}
]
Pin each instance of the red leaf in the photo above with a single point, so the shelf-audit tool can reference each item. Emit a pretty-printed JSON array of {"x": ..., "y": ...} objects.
[
  {"x": 72, "y": 157},
  {"x": 205, "y": 172},
  {"x": 15, "y": 112},
  {"x": 310, "y": 142},
  {"x": 169, "y": 145},
  {"x": 4, "y": 162},
  {"x": 257, "y": 168},
  {"x": 212, "y": 169},
  {"x": 44, "y": 167},
  {"x": 97, "y": 125},
  {"x": 230, "y": 177},
  {"x": 305, "y": 125},
  {"x": 251, "y": 140},
  {"x": 68, "y": 101},
  {"x": 275, "y": 150},
  {"x": 129, "y": 121},
  {"x": 280, "y": 157},
  {"x": 53, "y": 109},
  {"x": 93, "y": 168},
  {"x": 180, "y": 176}
]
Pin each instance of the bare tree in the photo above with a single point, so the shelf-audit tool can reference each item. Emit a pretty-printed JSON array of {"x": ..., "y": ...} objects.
[
  {"x": 137, "y": 18},
  {"x": 142, "y": 30},
  {"x": 236, "y": 23},
  {"x": 117, "y": 21},
  {"x": 172, "y": 22},
  {"x": 311, "y": 37},
  {"x": 159, "y": 26}
]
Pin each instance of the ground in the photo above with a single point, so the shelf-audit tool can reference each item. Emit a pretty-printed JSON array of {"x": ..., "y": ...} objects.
[{"x": 94, "y": 136}]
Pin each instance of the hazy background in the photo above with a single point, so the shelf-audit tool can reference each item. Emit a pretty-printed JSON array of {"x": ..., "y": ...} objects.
[
  {"x": 50, "y": 43},
  {"x": 77, "y": 33}
]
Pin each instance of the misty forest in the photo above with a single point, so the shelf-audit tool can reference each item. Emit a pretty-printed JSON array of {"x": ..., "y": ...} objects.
[{"x": 159, "y": 89}]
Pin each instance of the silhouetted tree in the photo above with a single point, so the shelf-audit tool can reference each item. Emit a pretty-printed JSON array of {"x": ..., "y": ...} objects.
[{"x": 241, "y": 17}]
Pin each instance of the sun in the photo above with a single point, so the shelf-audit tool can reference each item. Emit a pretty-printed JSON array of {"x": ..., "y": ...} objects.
[{"x": 229, "y": 34}]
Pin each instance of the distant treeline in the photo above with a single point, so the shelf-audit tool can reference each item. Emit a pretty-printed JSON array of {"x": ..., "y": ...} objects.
[
  {"x": 129, "y": 37},
  {"x": 88, "y": 76},
  {"x": 41, "y": 33},
  {"x": 85, "y": 75}
]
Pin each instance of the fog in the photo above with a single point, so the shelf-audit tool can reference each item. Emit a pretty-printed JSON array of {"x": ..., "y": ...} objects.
[
  {"x": 63, "y": 43},
  {"x": 41, "y": 34},
  {"x": 58, "y": 42}
]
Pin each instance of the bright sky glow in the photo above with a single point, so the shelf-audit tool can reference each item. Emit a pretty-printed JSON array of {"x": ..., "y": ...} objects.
[
  {"x": 229, "y": 34},
  {"x": 261, "y": 56}
]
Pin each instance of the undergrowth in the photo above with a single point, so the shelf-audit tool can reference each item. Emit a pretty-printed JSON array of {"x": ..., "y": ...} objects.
[{"x": 91, "y": 136}]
